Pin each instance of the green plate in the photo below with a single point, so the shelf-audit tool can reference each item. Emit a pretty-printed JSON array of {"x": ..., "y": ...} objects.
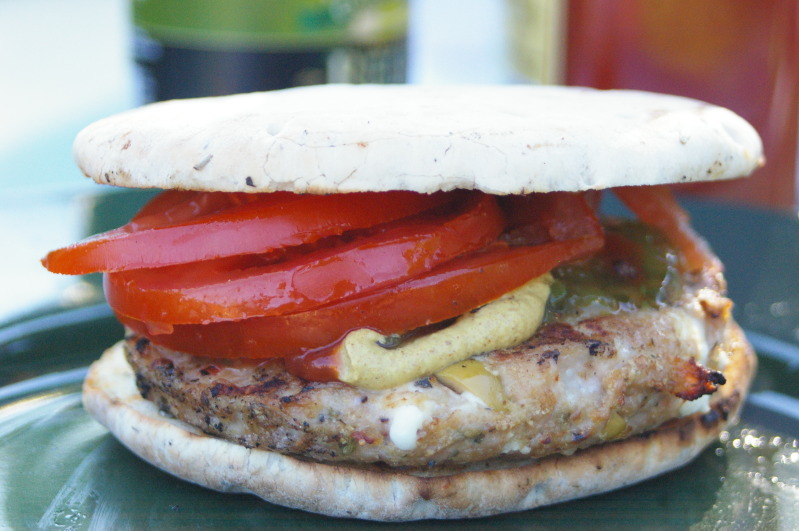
[{"x": 61, "y": 470}]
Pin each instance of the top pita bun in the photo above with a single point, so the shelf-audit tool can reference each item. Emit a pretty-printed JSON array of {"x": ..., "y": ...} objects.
[{"x": 499, "y": 139}]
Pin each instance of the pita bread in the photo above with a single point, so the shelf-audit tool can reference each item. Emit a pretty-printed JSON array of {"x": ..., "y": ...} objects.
[
  {"x": 110, "y": 395},
  {"x": 498, "y": 139}
]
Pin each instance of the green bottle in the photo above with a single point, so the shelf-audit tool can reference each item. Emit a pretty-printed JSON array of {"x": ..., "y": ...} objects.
[{"x": 191, "y": 48}]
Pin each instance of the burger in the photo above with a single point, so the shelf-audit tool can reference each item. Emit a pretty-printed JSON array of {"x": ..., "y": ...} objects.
[{"x": 410, "y": 302}]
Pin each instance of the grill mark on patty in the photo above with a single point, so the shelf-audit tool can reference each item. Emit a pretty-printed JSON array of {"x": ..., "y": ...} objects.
[
  {"x": 228, "y": 389},
  {"x": 162, "y": 365},
  {"x": 548, "y": 355},
  {"x": 141, "y": 344},
  {"x": 558, "y": 334}
]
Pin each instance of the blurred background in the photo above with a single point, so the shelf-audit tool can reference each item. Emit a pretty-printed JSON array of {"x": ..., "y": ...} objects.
[{"x": 66, "y": 63}]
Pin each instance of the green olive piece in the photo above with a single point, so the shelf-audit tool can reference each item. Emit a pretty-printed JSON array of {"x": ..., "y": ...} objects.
[{"x": 473, "y": 377}]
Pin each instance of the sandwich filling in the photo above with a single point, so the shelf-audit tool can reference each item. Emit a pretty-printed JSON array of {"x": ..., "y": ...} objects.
[
  {"x": 419, "y": 330},
  {"x": 587, "y": 376}
]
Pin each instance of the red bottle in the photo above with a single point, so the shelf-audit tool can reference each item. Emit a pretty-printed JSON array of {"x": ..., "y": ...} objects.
[{"x": 741, "y": 54}]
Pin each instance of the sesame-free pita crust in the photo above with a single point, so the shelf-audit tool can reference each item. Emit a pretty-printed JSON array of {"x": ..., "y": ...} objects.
[{"x": 347, "y": 138}]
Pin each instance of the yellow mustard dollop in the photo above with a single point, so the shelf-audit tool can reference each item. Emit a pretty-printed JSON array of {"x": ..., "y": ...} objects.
[{"x": 502, "y": 323}]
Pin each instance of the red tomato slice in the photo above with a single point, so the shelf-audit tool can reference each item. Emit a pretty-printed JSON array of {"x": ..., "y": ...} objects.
[
  {"x": 554, "y": 216},
  {"x": 225, "y": 290},
  {"x": 176, "y": 206},
  {"x": 206, "y": 225},
  {"x": 445, "y": 292},
  {"x": 657, "y": 206}
]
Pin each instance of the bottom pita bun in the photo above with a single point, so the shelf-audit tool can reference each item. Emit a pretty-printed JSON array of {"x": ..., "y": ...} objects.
[{"x": 110, "y": 395}]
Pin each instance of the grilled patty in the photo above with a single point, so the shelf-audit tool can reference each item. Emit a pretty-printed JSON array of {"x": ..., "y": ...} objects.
[{"x": 580, "y": 381}]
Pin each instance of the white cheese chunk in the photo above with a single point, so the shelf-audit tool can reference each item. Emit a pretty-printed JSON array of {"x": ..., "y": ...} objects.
[{"x": 405, "y": 425}]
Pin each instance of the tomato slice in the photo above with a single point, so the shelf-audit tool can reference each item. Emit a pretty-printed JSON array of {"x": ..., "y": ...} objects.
[
  {"x": 229, "y": 290},
  {"x": 657, "y": 206},
  {"x": 176, "y": 206},
  {"x": 184, "y": 227},
  {"x": 445, "y": 292},
  {"x": 557, "y": 216}
]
